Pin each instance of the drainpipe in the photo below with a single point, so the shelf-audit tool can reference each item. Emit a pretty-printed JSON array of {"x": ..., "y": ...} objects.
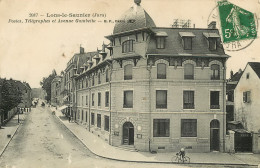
[
  {"x": 111, "y": 70},
  {"x": 89, "y": 94},
  {"x": 150, "y": 118},
  {"x": 224, "y": 113},
  {"x": 149, "y": 67}
]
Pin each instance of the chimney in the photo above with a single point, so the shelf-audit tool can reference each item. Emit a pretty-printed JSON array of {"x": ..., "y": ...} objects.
[
  {"x": 240, "y": 71},
  {"x": 231, "y": 74},
  {"x": 81, "y": 50},
  {"x": 212, "y": 25}
]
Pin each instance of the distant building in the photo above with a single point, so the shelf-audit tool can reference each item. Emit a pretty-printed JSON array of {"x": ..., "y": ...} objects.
[
  {"x": 231, "y": 85},
  {"x": 246, "y": 99},
  {"x": 26, "y": 94},
  {"x": 38, "y": 93},
  {"x": 73, "y": 67},
  {"x": 55, "y": 91},
  {"x": 153, "y": 88}
]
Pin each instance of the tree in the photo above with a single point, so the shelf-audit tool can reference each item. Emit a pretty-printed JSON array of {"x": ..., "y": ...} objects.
[
  {"x": 46, "y": 84},
  {"x": 11, "y": 96}
]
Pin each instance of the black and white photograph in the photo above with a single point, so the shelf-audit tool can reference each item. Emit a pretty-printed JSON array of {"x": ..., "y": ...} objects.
[{"x": 129, "y": 83}]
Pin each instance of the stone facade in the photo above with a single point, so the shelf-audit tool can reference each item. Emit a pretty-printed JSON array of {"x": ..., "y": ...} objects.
[{"x": 124, "y": 97}]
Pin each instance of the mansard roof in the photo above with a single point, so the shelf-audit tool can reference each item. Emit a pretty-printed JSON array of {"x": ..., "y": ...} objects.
[{"x": 174, "y": 45}]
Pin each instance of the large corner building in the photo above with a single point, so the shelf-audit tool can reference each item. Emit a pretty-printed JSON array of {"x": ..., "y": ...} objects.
[{"x": 152, "y": 88}]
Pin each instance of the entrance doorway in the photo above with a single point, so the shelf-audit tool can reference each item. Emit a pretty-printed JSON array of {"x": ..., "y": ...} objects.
[
  {"x": 128, "y": 133},
  {"x": 214, "y": 135}
]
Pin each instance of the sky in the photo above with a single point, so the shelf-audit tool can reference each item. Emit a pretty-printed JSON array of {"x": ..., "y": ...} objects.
[{"x": 30, "y": 51}]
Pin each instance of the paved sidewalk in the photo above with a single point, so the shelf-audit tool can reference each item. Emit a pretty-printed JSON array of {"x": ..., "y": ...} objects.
[
  {"x": 103, "y": 149},
  {"x": 9, "y": 129}
]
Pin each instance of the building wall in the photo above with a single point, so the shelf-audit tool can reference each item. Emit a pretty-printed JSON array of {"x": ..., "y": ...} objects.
[
  {"x": 248, "y": 113},
  {"x": 144, "y": 100}
]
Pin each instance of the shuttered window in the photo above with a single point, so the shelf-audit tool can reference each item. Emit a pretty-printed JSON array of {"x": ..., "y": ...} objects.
[{"x": 247, "y": 97}]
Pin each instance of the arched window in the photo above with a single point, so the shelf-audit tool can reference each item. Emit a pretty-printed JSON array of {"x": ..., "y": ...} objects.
[
  {"x": 215, "y": 72},
  {"x": 128, "y": 72},
  {"x": 188, "y": 71},
  {"x": 127, "y": 46},
  {"x": 161, "y": 71}
]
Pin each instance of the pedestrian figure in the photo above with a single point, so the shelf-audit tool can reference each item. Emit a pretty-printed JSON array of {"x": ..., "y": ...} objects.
[
  {"x": 69, "y": 118},
  {"x": 182, "y": 153}
]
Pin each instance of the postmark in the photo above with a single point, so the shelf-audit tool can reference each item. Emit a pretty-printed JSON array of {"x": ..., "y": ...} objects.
[{"x": 238, "y": 27}]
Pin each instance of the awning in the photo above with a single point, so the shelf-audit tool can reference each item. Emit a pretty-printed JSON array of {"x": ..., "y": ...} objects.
[
  {"x": 161, "y": 34},
  {"x": 211, "y": 35},
  {"x": 187, "y": 34},
  {"x": 62, "y": 107}
]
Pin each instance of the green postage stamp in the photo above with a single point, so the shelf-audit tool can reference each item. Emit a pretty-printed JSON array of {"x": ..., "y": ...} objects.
[{"x": 236, "y": 23}]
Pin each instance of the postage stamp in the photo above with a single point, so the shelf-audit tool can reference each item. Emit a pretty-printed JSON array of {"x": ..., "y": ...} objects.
[{"x": 238, "y": 27}]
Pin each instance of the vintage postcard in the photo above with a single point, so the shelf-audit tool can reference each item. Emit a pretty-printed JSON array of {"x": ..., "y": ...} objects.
[{"x": 129, "y": 83}]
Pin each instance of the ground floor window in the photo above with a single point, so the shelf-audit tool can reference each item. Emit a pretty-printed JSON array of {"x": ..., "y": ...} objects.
[
  {"x": 189, "y": 127},
  {"x": 92, "y": 118},
  {"x": 99, "y": 120},
  {"x": 86, "y": 116},
  {"x": 161, "y": 127},
  {"x": 106, "y": 126}
]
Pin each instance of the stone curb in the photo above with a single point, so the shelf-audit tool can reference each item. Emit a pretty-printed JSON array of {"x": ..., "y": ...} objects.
[
  {"x": 138, "y": 161},
  {"x": 1, "y": 153}
]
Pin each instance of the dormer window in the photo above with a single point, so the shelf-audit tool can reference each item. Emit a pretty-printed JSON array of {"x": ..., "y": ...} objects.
[
  {"x": 160, "y": 39},
  {"x": 187, "y": 40},
  {"x": 212, "y": 40},
  {"x": 187, "y": 43},
  {"x": 127, "y": 46},
  {"x": 160, "y": 42},
  {"x": 212, "y": 43}
]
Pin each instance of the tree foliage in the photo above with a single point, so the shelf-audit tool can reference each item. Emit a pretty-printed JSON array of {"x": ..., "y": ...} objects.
[
  {"x": 11, "y": 96},
  {"x": 46, "y": 84}
]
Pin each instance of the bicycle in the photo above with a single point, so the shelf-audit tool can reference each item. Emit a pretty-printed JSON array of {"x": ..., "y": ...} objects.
[{"x": 179, "y": 159}]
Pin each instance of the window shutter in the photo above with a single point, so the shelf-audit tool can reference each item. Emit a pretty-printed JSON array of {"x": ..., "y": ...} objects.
[
  {"x": 244, "y": 97},
  {"x": 248, "y": 96}
]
